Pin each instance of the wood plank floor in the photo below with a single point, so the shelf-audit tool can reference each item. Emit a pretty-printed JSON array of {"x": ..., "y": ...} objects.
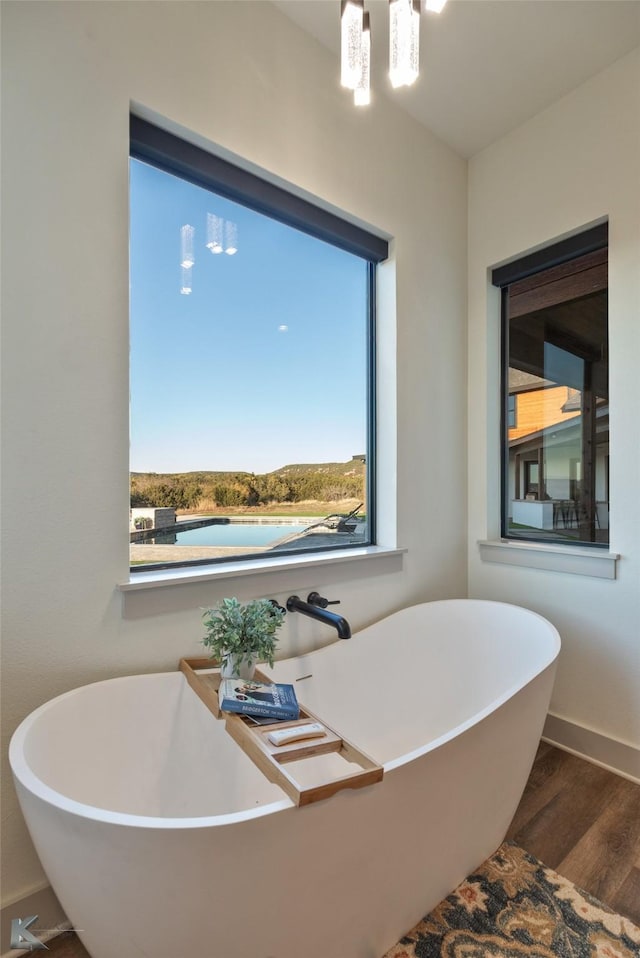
[
  {"x": 580, "y": 820},
  {"x": 584, "y": 822}
]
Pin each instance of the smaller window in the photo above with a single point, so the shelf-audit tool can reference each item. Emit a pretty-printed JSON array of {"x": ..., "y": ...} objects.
[{"x": 555, "y": 451}]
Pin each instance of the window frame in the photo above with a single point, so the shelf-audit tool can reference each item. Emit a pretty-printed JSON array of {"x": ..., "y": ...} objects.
[
  {"x": 573, "y": 248},
  {"x": 184, "y": 159},
  {"x": 172, "y": 154}
]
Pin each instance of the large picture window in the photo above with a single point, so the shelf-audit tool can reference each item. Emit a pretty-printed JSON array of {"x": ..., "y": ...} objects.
[
  {"x": 555, "y": 441},
  {"x": 252, "y": 388}
]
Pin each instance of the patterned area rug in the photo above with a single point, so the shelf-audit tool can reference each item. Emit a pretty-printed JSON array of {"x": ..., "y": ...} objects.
[{"x": 516, "y": 907}]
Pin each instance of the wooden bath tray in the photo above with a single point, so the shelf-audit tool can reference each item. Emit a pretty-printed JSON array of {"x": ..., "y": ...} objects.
[{"x": 271, "y": 759}]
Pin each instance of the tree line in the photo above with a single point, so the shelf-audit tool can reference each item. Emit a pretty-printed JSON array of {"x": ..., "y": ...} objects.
[{"x": 191, "y": 490}]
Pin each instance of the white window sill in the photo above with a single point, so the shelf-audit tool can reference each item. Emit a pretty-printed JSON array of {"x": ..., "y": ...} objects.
[
  {"x": 142, "y": 592},
  {"x": 577, "y": 560},
  {"x": 188, "y": 575}
]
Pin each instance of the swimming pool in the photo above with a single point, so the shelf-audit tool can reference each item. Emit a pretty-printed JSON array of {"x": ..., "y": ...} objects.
[{"x": 229, "y": 534}]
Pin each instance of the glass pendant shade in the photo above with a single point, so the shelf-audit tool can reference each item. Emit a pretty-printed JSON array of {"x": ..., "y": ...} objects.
[
  {"x": 186, "y": 246},
  {"x": 362, "y": 92},
  {"x": 404, "y": 41},
  {"x": 351, "y": 20},
  {"x": 435, "y": 6},
  {"x": 185, "y": 283},
  {"x": 231, "y": 237},
  {"x": 215, "y": 225}
]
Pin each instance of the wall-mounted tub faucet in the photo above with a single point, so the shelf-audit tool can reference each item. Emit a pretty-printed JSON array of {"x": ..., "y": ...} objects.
[
  {"x": 316, "y": 608},
  {"x": 277, "y": 607}
]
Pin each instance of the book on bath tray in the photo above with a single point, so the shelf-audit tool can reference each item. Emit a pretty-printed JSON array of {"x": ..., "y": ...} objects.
[{"x": 270, "y": 700}]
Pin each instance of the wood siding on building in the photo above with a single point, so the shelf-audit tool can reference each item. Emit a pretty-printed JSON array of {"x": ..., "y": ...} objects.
[{"x": 536, "y": 409}]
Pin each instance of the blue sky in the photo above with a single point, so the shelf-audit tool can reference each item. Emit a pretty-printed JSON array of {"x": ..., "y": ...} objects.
[{"x": 264, "y": 363}]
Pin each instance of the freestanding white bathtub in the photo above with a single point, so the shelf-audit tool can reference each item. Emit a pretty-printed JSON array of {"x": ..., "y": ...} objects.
[{"x": 161, "y": 838}]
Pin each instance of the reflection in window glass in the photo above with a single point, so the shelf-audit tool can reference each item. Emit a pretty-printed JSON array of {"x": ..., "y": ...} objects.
[{"x": 556, "y": 446}]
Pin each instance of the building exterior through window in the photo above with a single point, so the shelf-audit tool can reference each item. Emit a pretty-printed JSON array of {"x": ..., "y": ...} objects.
[{"x": 556, "y": 393}]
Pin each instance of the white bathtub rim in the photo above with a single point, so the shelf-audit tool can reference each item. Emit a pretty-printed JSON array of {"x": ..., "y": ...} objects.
[
  {"x": 493, "y": 706},
  {"x": 33, "y": 784},
  {"x": 529, "y": 613}
]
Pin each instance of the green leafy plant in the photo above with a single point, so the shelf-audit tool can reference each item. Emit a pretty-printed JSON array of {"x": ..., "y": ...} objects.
[{"x": 246, "y": 631}]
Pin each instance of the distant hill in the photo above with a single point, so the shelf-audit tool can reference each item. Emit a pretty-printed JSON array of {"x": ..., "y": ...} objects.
[
  {"x": 297, "y": 482},
  {"x": 353, "y": 467}
]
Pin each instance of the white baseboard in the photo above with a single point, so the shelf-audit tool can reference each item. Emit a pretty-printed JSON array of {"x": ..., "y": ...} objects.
[
  {"x": 609, "y": 753},
  {"x": 51, "y": 921}
]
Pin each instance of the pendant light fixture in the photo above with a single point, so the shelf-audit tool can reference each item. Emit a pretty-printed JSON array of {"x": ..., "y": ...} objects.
[{"x": 404, "y": 44}]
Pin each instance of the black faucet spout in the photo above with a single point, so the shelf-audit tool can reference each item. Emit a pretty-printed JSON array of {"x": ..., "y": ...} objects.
[{"x": 340, "y": 624}]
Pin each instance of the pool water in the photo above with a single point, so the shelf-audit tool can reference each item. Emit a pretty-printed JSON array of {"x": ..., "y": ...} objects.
[{"x": 234, "y": 534}]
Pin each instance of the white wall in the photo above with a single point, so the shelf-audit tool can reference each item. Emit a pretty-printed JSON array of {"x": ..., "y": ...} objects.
[
  {"x": 243, "y": 76},
  {"x": 571, "y": 165}
]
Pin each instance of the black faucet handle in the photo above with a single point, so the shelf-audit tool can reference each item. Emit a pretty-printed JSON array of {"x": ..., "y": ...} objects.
[{"x": 314, "y": 598}]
